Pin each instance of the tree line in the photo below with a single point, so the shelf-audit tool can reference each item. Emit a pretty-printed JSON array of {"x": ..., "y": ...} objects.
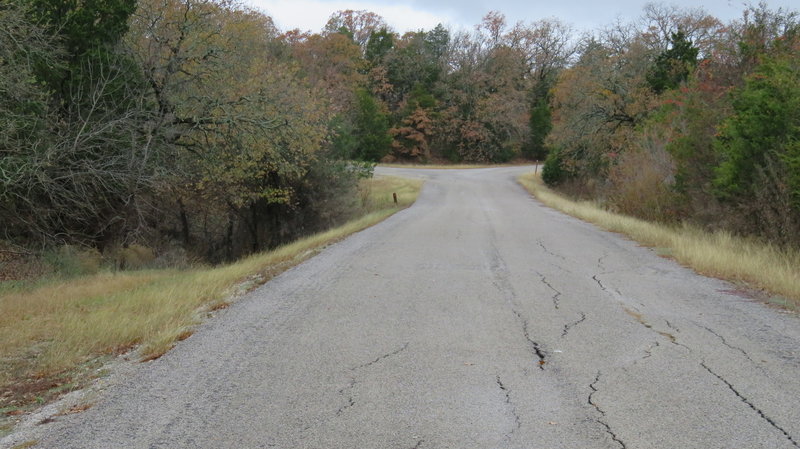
[
  {"x": 679, "y": 117},
  {"x": 198, "y": 124},
  {"x": 168, "y": 122}
]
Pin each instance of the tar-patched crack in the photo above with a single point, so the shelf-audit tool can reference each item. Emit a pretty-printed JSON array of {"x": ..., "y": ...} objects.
[
  {"x": 535, "y": 346},
  {"x": 347, "y": 392},
  {"x": 572, "y": 324},
  {"x": 418, "y": 445},
  {"x": 512, "y": 408},
  {"x": 640, "y": 318},
  {"x": 555, "y": 297},
  {"x": 751, "y": 405},
  {"x": 601, "y": 420}
]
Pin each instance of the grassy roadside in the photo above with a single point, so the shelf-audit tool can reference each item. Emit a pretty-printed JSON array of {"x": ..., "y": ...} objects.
[
  {"x": 55, "y": 335},
  {"x": 718, "y": 254}
]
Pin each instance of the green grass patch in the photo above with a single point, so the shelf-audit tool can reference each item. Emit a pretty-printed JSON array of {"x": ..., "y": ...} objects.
[{"x": 719, "y": 254}]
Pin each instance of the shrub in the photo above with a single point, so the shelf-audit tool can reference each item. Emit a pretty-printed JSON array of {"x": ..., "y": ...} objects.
[{"x": 555, "y": 171}]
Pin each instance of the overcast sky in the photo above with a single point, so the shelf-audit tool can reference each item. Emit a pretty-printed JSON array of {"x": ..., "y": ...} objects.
[{"x": 412, "y": 15}]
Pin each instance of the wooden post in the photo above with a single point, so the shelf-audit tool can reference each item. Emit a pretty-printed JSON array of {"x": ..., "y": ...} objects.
[
  {"x": 394, "y": 195},
  {"x": 535, "y": 167}
]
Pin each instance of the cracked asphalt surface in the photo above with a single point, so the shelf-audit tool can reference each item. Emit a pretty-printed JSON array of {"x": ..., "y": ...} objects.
[{"x": 478, "y": 318}]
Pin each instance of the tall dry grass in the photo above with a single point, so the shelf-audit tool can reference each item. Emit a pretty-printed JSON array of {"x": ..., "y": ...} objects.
[
  {"x": 719, "y": 254},
  {"x": 48, "y": 331}
]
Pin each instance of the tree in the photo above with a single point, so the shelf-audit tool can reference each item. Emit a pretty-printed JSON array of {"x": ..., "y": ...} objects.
[
  {"x": 85, "y": 25},
  {"x": 765, "y": 126},
  {"x": 412, "y": 139},
  {"x": 370, "y": 128},
  {"x": 672, "y": 66},
  {"x": 598, "y": 102},
  {"x": 244, "y": 131},
  {"x": 332, "y": 63},
  {"x": 78, "y": 164},
  {"x": 378, "y": 45},
  {"x": 358, "y": 24},
  {"x": 540, "y": 124}
]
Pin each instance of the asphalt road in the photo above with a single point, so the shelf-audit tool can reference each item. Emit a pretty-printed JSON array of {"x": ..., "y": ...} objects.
[{"x": 478, "y": 318}]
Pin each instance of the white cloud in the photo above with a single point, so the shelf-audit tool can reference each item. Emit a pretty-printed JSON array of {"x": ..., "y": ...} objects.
[
  {"x": 412, "y": 15},
  {"x": 313, "y": 14}
]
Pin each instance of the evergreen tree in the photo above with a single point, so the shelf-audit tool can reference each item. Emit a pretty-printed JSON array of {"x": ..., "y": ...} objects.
[
  {"x": 540, "y": 124},
  {"x": 378, "y": 45},
  {"x": 672, "y": 67},
  {"x": 371, "y": 128}
]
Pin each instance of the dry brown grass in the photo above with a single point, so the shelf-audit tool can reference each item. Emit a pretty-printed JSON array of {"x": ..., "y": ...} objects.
[
  {"x": 719, "y": 254},
  {"x": 48, "y": 332}
]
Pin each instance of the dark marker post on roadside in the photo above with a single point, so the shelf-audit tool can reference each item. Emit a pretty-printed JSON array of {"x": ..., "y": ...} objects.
[{"x": 394, "y": 195}]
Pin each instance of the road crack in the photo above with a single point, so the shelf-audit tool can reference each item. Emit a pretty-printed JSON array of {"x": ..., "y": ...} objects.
[
  {"x": 385, "y": 356},
  {"x": 672, "y": 326},
  {"x": 347, "y": 391},
  {"x": 751, "y": 405},
  {"x": 556, "y": 294},
  {"x": 569, "y": 326},
  {"x": 649, "y": 351},
  {"x": 547, "y": 251},
  {"x": 600, "y": 263},
  {"x": 735, "y": 348},
  {"x": 535, "y": 347},
  {"x": 640, "y": 319},
  {"x": 350, "y": 400},
  {"x": 600, "y": 283},
  {"x": 511, "y": 406},
  {"x": 601, "y": 421}
]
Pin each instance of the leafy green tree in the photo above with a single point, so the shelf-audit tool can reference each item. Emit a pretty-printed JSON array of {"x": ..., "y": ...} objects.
[
  {"x": 417, "y": 59},
  {"x": 85, "y": 24},
  {"x": 378, "y": 45},
  {"x": 540, "y": 124},
  {"x": 370, "y": 128},
  {"x": 765, "y": 125},
  {"x": 672, "y": 67}
]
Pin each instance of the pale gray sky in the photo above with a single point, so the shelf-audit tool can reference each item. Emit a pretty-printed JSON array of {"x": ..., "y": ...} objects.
[{"x": 413, "y": 15}]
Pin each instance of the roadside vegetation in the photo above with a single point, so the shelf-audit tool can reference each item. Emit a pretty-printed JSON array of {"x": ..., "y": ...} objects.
[
  {"x": 755, "y": 262},
  {"x": 55, "y": 333},
  {"x": 680, "y": 118}
]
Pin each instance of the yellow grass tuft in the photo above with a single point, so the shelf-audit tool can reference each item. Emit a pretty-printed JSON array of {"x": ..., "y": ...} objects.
[
  {"x": 48, "y": 331},
  {"x": 719, "y": 254}
]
